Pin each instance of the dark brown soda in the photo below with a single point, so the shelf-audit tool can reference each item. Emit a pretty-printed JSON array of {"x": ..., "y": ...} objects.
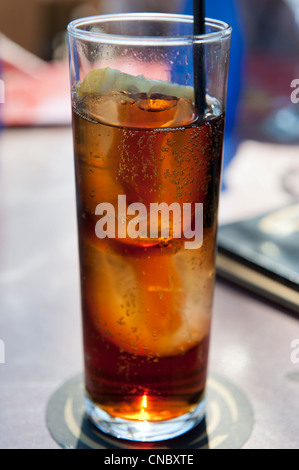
[{"x": 146, "y": 303}]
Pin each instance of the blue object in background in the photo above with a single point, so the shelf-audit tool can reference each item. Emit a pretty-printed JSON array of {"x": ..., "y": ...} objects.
[{"x": 227, "y": 10}]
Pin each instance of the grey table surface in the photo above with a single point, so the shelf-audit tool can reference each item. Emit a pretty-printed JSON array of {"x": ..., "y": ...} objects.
[{"x": 40, "y": 325}]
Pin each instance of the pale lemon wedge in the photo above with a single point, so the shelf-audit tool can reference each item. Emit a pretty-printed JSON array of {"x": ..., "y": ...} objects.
[
  {"x": 106, "y": 80},
  {"x": 146, "y": 312}
]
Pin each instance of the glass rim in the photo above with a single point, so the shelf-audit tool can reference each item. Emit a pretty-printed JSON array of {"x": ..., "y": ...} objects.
[{"x": 74, "y": 29}]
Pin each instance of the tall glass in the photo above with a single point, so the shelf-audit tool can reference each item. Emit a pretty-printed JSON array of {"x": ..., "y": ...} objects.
[{"x": 148, "y": 166}]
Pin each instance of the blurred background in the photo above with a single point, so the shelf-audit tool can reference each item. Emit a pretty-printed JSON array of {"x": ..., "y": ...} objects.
[
  {"x": 264, "y": 61},
  {"x": 39, "y": 288}
]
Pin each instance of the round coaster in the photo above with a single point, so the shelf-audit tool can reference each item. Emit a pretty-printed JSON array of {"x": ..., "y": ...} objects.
[{"x": 227, "y": 425}]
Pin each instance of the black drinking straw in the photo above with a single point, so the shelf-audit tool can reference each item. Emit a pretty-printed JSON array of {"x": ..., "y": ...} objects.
[{"x": 199, "y": 11}]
